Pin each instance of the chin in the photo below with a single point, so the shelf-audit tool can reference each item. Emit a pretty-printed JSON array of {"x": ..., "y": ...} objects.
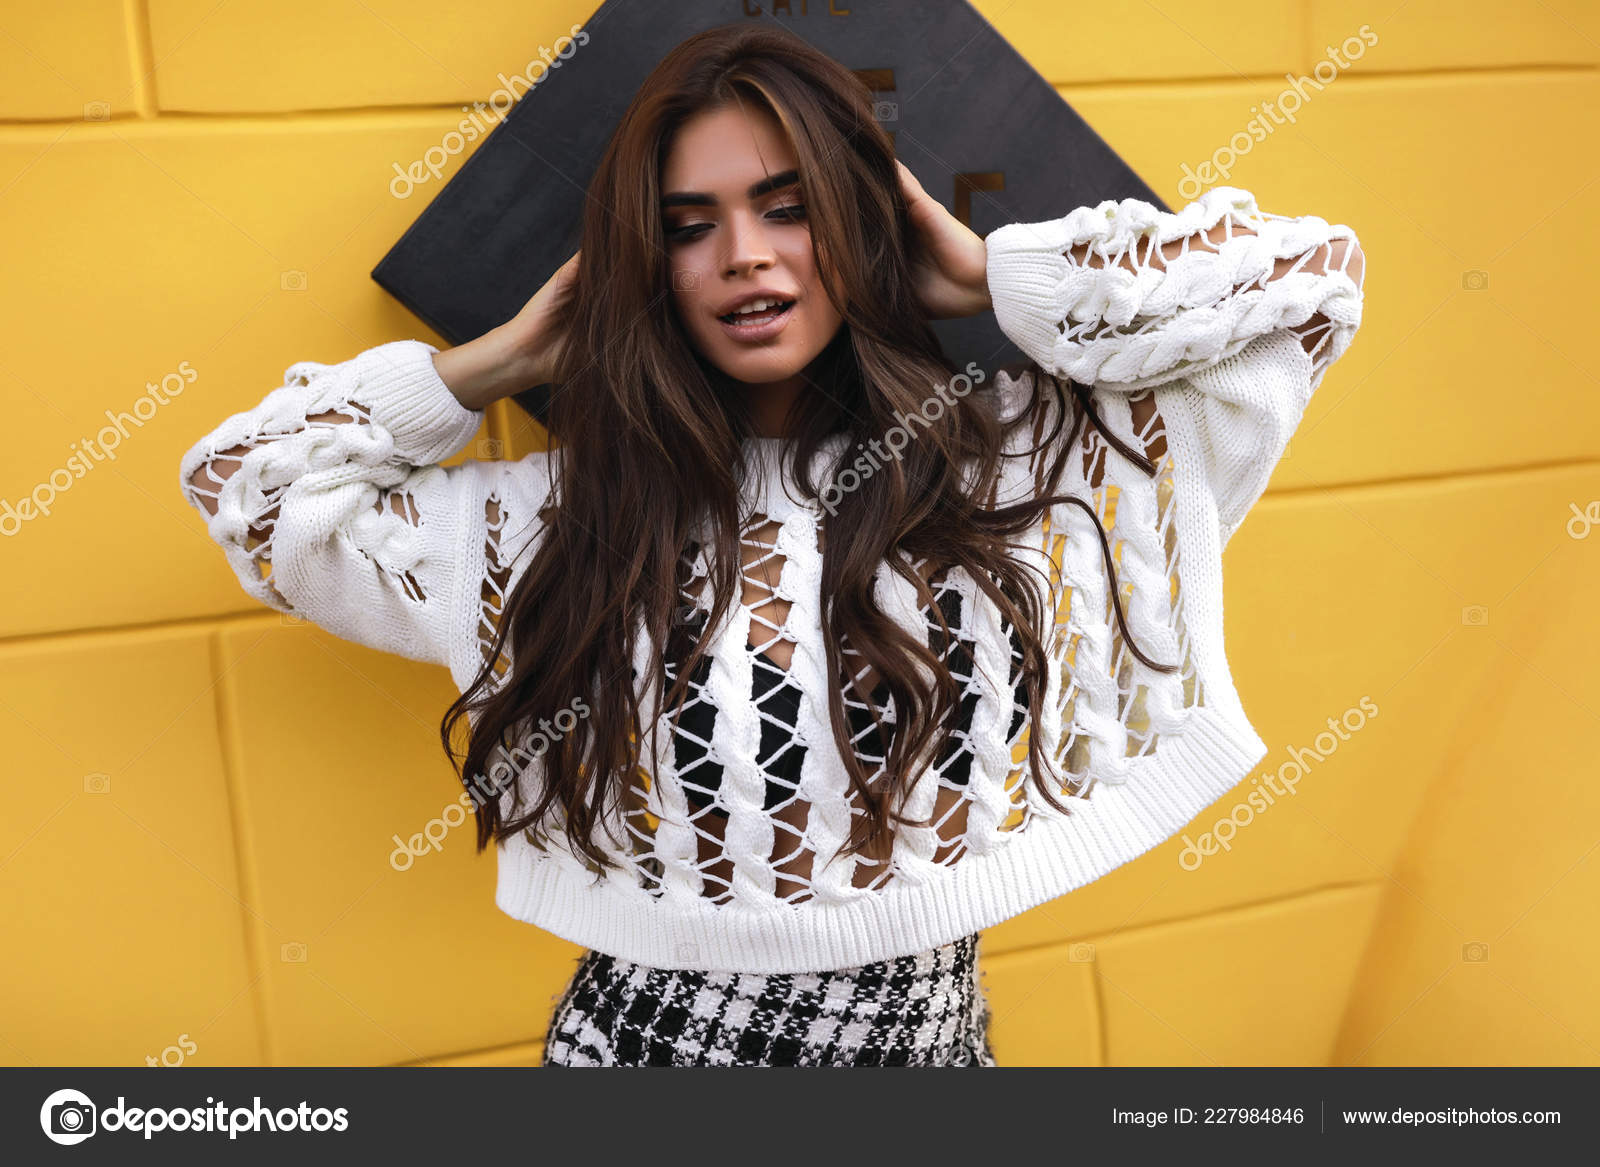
[{"x": 761, "y": 369}]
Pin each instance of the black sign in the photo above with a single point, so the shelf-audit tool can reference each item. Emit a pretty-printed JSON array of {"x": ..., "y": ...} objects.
[{"x": 984, "y": 133}]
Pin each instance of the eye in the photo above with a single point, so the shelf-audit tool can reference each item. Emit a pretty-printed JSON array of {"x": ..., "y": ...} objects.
[{"x": 788, "y": 213}]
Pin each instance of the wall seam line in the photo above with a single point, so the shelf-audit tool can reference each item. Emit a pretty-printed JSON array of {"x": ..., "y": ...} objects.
[
  {"x": 231, "y": 753},
  {"x": 136, "y": 15}
]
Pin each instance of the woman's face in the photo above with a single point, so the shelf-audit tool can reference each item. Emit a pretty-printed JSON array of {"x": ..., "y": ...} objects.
[{"x": 730, "y": 235}]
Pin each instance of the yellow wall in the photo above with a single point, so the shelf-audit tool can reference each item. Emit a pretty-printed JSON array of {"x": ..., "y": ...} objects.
[{"x": 187, "y": 813}]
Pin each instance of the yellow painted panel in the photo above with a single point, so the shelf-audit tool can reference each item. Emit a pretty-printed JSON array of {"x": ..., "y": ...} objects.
[
  {"x": 1116, "y": 42},
  {"x": 120, "y": 903},
  {"x": 1446, "y": 34},
  {"x": 400, "y": 52},
  {"x": 1042, "y": 1005},
  {"x": 1428, "y": 997},
  {"x": 1468, "y": 286},
  {"x": 1334, "y": 599},
  {"x": 227, "y": 258},
  {"x": 322, "y": 54},
  {"x": 66, "y": 61},
  {"x": 371, "y": 959},
  {"x": 520, "y": 1056},
  {"x": 1393, "y": 592},
  {"x": 1504, "y": 857},
  {"x": 1260, "y": 986}
]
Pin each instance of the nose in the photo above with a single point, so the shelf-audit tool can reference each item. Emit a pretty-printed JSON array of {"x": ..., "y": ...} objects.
[{"x": 749, "y": 249}]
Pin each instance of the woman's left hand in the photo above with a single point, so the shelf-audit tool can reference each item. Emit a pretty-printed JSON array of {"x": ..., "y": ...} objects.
[{"x": 953, "y": 278}]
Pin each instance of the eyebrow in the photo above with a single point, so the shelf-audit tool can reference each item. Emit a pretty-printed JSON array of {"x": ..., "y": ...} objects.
[{"x": 695, "y": 198}]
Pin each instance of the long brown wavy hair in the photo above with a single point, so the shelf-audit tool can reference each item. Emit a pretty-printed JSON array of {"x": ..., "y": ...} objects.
[{"x": 650, "y": 436}]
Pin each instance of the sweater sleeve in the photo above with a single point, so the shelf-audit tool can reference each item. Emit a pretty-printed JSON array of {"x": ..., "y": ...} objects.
[
  {"x": 328, "y": 502},
  {"x": 1243, "y": 320}
]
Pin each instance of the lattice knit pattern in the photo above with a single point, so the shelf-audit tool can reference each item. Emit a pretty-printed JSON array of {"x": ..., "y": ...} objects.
[{"x": 336, "y": 509}]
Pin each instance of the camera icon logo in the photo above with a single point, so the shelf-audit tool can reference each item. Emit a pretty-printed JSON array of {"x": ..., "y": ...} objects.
[
  {"x": 68, "y": 1117},
  {"x": 292, "y": 281},
  {"x": 886, "y": 111},
  {"x": 685, "y": 281}
]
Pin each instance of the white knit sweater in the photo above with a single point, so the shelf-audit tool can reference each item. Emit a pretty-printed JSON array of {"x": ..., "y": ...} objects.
[{"x": 366, "y": 536}]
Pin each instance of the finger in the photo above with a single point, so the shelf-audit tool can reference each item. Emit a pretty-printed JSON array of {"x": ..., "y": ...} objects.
[{"x": 909, "y": 186}]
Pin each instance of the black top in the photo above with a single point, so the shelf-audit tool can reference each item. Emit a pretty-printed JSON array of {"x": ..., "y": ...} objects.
[{"x": 777, "y": 701}]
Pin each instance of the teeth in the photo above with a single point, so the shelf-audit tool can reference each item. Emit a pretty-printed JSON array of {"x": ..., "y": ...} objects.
[{"x": 756, "y": 306}]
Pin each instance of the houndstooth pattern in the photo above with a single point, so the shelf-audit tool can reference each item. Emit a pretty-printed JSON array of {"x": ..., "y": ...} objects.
[{"x": 924, "y": 1009}]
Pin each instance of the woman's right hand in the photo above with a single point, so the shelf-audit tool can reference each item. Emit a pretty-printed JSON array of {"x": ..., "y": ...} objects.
[
  {"x": 536, "y": 327},
  {"x": 515, "y": 356}
]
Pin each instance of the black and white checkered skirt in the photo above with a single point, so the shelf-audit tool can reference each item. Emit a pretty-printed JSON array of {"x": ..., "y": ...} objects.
[{"x": 925, "y": 1009}]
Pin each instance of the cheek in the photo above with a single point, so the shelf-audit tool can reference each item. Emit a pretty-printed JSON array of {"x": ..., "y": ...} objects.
[
  {"x": 690, "y": 307},
  {"x": 824, "y": 312},
  {"x": 824, "y": 317},
  {"x": 688, "y": 282}
]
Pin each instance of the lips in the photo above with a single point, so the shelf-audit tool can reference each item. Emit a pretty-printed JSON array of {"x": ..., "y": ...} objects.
[{"x": 758, "y": 326}]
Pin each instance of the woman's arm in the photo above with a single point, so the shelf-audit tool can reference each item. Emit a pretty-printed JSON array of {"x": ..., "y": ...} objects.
[
  {"x": 1341, "y": 253},
  {"x": 500, "y": 363},
  {"x": 1237, "y": 311},
  {"x": 328, "y": 501},
  {"x": 477, "y": 373}
]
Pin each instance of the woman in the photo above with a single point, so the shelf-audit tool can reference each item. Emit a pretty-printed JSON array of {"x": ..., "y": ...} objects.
[{"x": 836, "y": 583}]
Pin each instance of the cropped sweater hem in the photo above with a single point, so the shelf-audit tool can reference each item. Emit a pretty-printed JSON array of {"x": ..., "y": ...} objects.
[{"x": 1116, "y": 823}]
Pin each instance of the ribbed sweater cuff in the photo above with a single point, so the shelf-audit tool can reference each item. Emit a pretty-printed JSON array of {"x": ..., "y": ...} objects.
[{"x": 397, "y": 381}]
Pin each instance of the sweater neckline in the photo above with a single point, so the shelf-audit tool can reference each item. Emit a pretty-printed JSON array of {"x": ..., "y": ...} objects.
[
  {"x": 765, "y": 457},
  {"x": 769, "y": 483}
]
